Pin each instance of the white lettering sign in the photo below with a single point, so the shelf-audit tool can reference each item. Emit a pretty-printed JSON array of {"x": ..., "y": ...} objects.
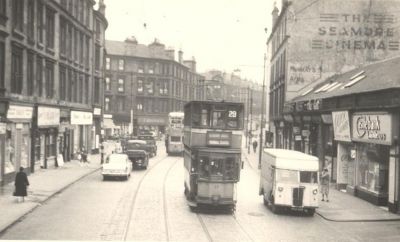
[
  {"x": 81, "y": 118},
  {"x": 48, "y": 116},
  {"x": 372, "y": 128},
  {"x": 341, "y": 126},
  {"x": 19, "y": 112}
]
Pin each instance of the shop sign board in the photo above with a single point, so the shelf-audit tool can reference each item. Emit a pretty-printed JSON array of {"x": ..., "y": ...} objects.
[
  {"x": 96, "y": 111},
  {"x": 341, "y": 126},
  {"x": 19, "y": 112},
  {"x": 151, "y": 121},
  {"x": 48, "y": 116},
  {"x": 81, "y": 118},
  {"x": 374, "y": 128}
]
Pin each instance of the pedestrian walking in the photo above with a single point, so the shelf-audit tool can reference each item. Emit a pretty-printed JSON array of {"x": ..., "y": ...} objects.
[
  {"x": 84, "y": 155},
  {"x": 255, "y": 143},
  {"x": 325, "y": 184},
  {"x": 21, "y": 183}
]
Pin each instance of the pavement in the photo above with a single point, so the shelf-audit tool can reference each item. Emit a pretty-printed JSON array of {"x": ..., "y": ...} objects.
[
  {"x": 342, "y": 207},
  {"x": 44, "y": 184}
]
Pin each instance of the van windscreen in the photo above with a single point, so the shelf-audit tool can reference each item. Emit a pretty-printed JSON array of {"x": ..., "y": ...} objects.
[
  {"x": 287, "y": 176},
  {"x": 308, "y": 177}
]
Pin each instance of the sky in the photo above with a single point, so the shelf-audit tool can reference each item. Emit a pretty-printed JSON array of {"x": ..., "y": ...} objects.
[{"x": 220, "y": 34}]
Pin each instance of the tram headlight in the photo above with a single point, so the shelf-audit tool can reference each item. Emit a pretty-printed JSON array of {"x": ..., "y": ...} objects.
[
  {"x": 280, "y": 189},
  {"x": 315, "y": 191}
]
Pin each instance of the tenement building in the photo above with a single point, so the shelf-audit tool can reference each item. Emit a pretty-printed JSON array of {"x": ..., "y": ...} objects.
[
  {"x": 143, "y": 83},
  {"x": 311, "y": 41},
  {"x": 50, "y": 81}
]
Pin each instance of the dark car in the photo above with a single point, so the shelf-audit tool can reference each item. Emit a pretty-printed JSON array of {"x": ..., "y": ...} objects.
[
  {"x": 151, "y": 142},
  {"x": 138, "y": 153}
]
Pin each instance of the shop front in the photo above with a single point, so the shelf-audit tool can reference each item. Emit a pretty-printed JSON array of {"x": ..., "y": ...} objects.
[
  {"x": 152, "y": 123},
  {"x": 17, "y": 141},
  {"x": 46, "y": 136},
  {"x": 65, "y": 135},
  {"x": 373, "y": 134},
  {"x": 83, "y": 123}
]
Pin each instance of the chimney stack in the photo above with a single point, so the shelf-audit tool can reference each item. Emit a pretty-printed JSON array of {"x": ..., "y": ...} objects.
[
  {"x": 180, "y": 56},
  {"x": 275, "y": 14},
  {"x": 102, "y": 7}
]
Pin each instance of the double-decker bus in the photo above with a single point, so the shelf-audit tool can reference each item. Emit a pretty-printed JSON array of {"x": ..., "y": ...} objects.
[
  {"x": 174, "y": 134},
  {"x": 212, "y": 158}
]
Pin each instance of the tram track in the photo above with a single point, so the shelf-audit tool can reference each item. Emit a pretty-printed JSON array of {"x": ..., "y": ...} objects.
[
  {"x": 165, "y": 200},
  {"x": 135, "y": 195}
]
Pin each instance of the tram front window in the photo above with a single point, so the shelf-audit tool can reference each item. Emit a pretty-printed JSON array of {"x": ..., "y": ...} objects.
[{"x": 218, "y": 168}]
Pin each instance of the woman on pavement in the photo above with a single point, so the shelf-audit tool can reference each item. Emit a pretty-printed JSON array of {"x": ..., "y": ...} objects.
[{"x": 21, "y": 183}]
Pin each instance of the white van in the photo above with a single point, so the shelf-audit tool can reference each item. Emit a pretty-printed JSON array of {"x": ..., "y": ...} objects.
[{"x": 289, "y": 179}]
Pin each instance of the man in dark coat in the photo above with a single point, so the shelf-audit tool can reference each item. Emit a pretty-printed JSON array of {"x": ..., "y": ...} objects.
[{"x": 21, "y": 182}]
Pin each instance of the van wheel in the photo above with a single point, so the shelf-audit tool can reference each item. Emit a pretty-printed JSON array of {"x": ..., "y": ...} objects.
[{"x": 274, "y": 208}]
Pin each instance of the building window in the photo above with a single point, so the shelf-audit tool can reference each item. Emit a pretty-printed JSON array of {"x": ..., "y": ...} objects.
[
  {"x": 163, "y": 87},
  {"x": 108, "y": 63},
  {"x": 51, "y": 144},
  {"x": 49, "y": 79},
  {"x": 3, "y": 8},
  {"x": 76, "y": 47},
  {"x": 150, "y": 87},
  {"x": 2, "y": 64},
  {"x": 18, "y": 15},
  {"x": 98, "y": 30},
  {"x": 87, "y": 51},
  {"x": 16, "y": 70},
  {"x": 30, "y": 76},
  {"x": 108, "y": 84},
  {"x": 97, "y": 57},
  {"x": 88, "y": 11},
  {"x": 63, "y": 81},
  {"x": 80, "y": 90},
  {"x": 49, "y": 28},
  {"x": 39, "y": 24},
  {"x": 31, "y": 20},
  {"x": 39, "y": 75},
  {"x": 81, "y": 48},
  {"x": 140, "y": 68},
  {"x": 70, "y": 41},
  {"x": 151, "y": 69},
  {"x": 121, "y": 104},
  {"x": 140, "y": 86},
  {"x": 63, "y": 36},
  {"x": 107, "y": 104},
  {"x": 121, "y": 65},
  {"x": 139, "y": 105},
  {"x": 87, "y": 97},
  {"x": 121, "y": 85},
  {"x": 96, "y": 90}
]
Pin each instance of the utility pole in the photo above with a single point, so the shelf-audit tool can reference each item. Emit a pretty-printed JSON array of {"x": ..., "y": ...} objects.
[{"x": 262, "y": 115}]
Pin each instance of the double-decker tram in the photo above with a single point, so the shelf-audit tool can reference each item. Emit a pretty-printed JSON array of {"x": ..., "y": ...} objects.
[
  {"x": 212, "y": 158},
  {"x": 174, "y": 134}
]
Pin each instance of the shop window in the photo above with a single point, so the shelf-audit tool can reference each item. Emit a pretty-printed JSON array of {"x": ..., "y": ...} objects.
[
  {"x": 373, "y": 161},
  {"x": 10, "y": 159},
  {"x": 50, "y": 142}
]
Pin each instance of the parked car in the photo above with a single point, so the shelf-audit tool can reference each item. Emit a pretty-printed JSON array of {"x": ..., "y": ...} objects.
[
  {"x": 151, "y": 142},
  {"x": 117, "y": 165},
  {"x": 138, "y": 153}
]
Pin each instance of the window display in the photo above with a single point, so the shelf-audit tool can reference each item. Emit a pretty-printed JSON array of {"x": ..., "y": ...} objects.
[{"x": 373, "y": 163}]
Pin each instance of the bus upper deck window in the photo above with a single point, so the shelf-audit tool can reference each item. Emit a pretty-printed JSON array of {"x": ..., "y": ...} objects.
[{"x": 218, "y": 119}]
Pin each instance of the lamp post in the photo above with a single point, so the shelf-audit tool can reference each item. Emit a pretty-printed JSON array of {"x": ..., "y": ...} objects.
[{"x": 262, "y": 114}]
